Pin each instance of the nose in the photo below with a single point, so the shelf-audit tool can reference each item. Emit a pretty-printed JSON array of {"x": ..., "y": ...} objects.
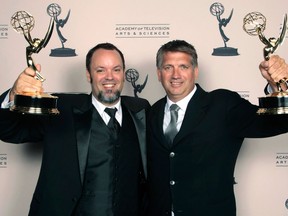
[
  {"x": 109, "y": 74},
  {"x": 175, "y": 73}
]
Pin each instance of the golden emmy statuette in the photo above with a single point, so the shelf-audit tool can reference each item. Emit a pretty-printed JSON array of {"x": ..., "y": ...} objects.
[
  {"x": 36, "y": 103},
  {"x": 254, "y": 24}
]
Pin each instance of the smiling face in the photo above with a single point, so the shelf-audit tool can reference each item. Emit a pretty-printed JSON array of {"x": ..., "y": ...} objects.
[
  {"x": 177, "y": 75},
  {"x": 106, "y": 76}
]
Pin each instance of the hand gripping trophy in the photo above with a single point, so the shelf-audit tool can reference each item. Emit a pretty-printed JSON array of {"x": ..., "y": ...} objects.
[
  {"x": 254, "y": 24},
  {"x": 37, "y": 103}
]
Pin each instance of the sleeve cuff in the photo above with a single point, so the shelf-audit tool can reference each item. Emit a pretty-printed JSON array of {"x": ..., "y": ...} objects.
[{"x": 6, "y": 104}]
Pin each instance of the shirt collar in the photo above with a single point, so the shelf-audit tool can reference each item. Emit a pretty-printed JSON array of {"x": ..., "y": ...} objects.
[{"x": 101, "y": 107}]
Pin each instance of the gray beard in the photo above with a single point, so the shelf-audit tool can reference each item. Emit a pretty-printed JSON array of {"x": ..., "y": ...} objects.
[{"x": 108, "y": 100}]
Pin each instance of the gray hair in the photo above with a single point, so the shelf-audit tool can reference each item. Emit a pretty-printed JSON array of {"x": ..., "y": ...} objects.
[{"x": 177, "y": 46}]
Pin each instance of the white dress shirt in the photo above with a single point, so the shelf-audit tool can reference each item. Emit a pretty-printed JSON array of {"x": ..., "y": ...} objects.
[
  {"x": 5, "y": 103},
  {"x": 183, "y": 106},
  {"x": 100, "y": 108}
]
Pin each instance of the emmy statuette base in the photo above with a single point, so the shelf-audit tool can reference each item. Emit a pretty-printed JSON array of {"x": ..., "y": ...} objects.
[
  {"x": 225, "y": 51},
  {"x": 63, "y": 52},
  {"x": 273, "y": 104},
  {"x": 42, "y": 104}
]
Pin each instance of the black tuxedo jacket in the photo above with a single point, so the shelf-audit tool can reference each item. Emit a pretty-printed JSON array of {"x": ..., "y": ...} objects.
[
  {"x": 196, "y": 173},
  {"x": 65, "y": 146}
]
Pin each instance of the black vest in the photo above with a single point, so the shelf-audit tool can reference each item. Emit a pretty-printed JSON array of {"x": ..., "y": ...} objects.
[{"x": 112, "y": 175}]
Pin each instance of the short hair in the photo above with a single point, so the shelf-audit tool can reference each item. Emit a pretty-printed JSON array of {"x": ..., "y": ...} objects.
[
  {"x": 177, "y": 46},
  {"x": 106, "y": 46}
]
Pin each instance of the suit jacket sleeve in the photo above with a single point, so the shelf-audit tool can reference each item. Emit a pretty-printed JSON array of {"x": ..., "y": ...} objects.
[{"x": 19, "y": 128}]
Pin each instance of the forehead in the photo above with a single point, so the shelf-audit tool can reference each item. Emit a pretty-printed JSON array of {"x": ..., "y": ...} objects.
[
  {"x": 176, "y": 57},
  {"x": 102, "y": 57}
]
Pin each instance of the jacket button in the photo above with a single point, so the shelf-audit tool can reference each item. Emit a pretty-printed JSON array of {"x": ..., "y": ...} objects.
[
  {"x": 172, "y": 154},
  {"x": 172, "y": 182}
]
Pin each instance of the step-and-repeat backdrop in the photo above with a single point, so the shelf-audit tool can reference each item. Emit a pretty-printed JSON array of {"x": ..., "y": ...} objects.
[{"x": 228, "y": 58}]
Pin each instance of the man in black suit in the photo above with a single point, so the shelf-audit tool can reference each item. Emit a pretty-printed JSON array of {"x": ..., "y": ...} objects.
[
  {"x": 85, "y": 169},
  {"x": 191, "y": 174}
]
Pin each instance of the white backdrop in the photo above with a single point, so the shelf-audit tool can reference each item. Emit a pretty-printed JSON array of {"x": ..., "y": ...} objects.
[{"x": 139, "y": 28}]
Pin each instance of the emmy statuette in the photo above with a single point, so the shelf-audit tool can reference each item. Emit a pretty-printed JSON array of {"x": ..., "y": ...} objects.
[
  {"x": 33, "y": 103},
  {"x": 254, "y": 24}
]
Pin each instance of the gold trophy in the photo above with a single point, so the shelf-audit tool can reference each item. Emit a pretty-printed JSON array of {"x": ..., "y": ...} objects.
[
  {"x": 254, "y": 24},
  {"x": 33, "y": 103}
]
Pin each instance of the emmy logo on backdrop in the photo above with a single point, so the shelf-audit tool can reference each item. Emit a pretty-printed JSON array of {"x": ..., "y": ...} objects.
[
  {"x": 36, "y": 103},
  {"x": 54, "y": 10},
  {"x": 217, "y": 9},
  {"x": 254, "y": 24},
  {"x": 132, "y": 76}
]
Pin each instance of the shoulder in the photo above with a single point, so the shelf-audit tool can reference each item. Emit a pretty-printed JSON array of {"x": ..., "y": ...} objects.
[
  {"x": 135, "y": 104},
  {"x": 217, "y": 98},
  {"x": 158, "y": 104},
  {"x": 75, "y": 99},
  {"x": 230, "y": 100},
  {"x": 224, "y": 92},
  {"x": 221, "y": 98},
  {"x": 67, "y": 96},
  {"x": 225, "y": 95}
]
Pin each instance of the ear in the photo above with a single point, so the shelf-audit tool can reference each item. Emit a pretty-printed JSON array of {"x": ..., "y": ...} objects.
[{"x": 88, "y": 76}]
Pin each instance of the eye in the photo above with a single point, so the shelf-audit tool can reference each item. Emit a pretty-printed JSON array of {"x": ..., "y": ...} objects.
[
  {"x": 118, "y": 69},
  {"x": 184, "y": 67},
  {"x": 99, "y": 70},
  {"x": 168, "y": 68}
]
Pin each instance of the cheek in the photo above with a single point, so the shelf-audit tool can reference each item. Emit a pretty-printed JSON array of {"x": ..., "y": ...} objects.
[
  {"x": 161, "y": 77},
  {"x": 120, "y": 78},
  {"x": 97, "y": 78},
  {"x": 165, "y": 78}
]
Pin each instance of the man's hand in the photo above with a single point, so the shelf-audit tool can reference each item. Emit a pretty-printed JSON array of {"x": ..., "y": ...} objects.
[
  {"x": 274, "y": 70},
  {"x": 26, "y": 84}
]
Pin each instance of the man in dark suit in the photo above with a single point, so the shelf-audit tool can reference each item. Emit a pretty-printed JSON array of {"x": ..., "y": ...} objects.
[
  {"x": 85, "y": 169},
  {"x": 191, "y": 174}
]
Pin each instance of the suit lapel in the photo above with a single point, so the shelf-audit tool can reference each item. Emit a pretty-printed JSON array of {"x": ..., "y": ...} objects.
[
  {"x": 157, "y": 121},
  {"x": 195, "y": 112},
  {"x": 82, "y": 120},
  {"x": 139, "y": 119}
]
